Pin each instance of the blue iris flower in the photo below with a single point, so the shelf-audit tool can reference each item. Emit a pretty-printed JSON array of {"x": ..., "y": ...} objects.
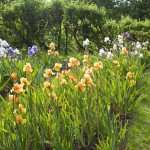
[
  {"x": 10, "y": 51},
  {"x": 35, "y": 48},
  {"x": 126, "y": 34},
  {"x": 32, "y": 50}
]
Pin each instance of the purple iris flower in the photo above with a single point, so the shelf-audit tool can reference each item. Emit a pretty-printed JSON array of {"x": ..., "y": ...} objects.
[
  {"x": 10, "y": 51},
  {"x": 35, "y": 48},
  {"x": 31, "y": 52},
  {"x": 29, "y": 48},
  {"x": 126, "y": 34}
]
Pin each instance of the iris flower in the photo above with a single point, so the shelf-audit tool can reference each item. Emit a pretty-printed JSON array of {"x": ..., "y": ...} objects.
[{"x": 32, "y": 50}]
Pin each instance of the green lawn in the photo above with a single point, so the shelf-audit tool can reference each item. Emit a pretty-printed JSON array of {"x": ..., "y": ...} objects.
[{"x": 138, "y": 137}]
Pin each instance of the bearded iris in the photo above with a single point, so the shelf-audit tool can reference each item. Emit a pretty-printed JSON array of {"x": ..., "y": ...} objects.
[
  {"x": 3, "y": 46},
  {"x": 32, "y": 50},
  {"x": 2, "y": 52},
  {"x": 4, "y": 43},
  {"x": 126, "y": 34},
  {"x": 106, "y": 39},
  {"x": 11, "y": 51},
  {"x": 86, "y": 42}
]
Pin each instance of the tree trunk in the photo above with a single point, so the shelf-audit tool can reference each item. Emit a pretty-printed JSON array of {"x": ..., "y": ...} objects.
[
  {"x": 59, "y": 38},
  {"x": 80, "y": 47},
  {"x": 66, "y": 43},
  {"x": 29, "y": 38}
]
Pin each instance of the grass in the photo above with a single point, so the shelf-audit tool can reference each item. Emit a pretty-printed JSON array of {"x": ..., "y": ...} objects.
[{"x": 138, "y": 137}]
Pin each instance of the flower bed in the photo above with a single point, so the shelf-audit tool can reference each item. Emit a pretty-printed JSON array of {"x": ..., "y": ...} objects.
[{"x": 83, "y": 105}]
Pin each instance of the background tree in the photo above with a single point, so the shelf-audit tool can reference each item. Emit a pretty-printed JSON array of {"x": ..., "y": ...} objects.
[
  {"x": 137, "y": 9},
  {"x": 25, "y": 21},
  {"x": 85, "y": 21},
  {"x": 140, "y": 9},
  {"x": 69, "y": 22},
  {"x": 6, "y": 1},
  {"x": 56, "y": 14}
]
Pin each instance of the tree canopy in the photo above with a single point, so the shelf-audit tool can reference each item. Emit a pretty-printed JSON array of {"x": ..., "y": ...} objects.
[{"x": 69, "y": 22}]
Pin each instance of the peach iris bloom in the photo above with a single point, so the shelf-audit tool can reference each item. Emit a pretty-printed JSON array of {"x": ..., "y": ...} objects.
[
  {"x": 54, "y": 96},
  {"x": 52, "y": 46},
  {"x": 24, "y": 81},
  {"x": 20, "y": 119},
  {"x": 132, "y": 83},
  {"x": 14, "y": 75},
  {"x": 50, "y": 52},
  {"x": 72, "y": 78},
  {"x": 48, "y": 85},
  {"x": 56, "y": 53},
  {"x": 87, "y": 79},
  {"x": 86, "y": 58},
  {"x": 124, "y": 50},
  {"x": 116, "y": 63},
  {"x": 63, "y": 81},
  {"x": 89, "y": 71},
  {"x": 130, "y": 75},
  {"x": 18, "y": 88},
  {"x": 73, "y": 62},
  {"x": 80, "y": 86},
  {"x": 13, "y": 98},
  {"x": 27, "y": 68},
  {"x": 98, "y": 65},
  {"x": 20, "y": 107},
  {"x": 57, "y": 66},
  {"x": 48, "y": 73}
]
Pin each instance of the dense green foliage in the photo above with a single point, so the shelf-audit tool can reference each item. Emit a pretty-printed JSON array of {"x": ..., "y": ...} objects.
[
  {"x": 25, "y": 22},
  {"x": 137, "y": 9}
]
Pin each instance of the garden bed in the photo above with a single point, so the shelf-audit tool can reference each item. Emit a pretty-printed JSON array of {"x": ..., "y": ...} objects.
[{"x": 83, "y": 106}]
